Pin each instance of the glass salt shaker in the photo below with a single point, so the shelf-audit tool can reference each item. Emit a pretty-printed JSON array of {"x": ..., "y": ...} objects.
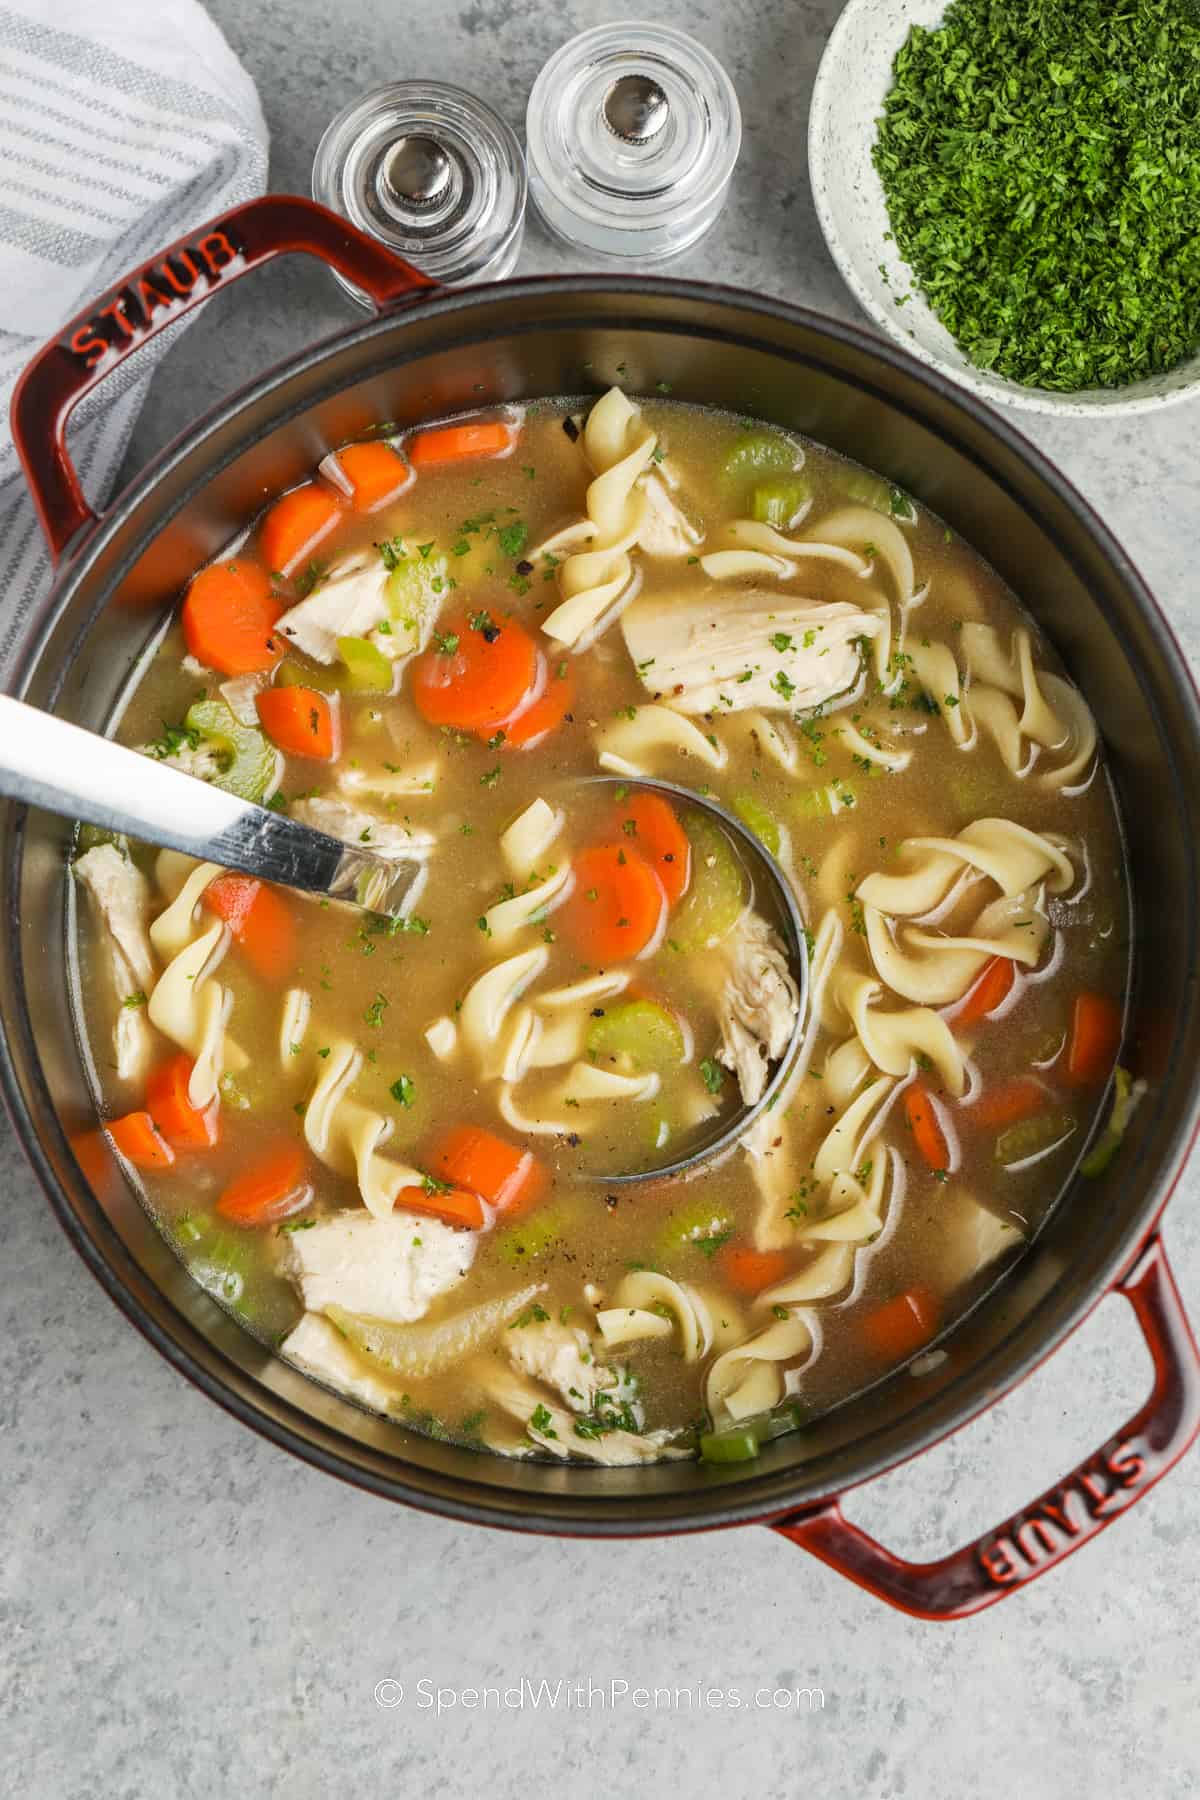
[
  {"x": 631, "y": 132},
  {"x": 432, "y": 172}
]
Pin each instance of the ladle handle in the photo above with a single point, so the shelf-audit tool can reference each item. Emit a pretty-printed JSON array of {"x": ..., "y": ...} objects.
[
  {"x": 47, "y": 762},
  {"x": 94, "y": 343}
]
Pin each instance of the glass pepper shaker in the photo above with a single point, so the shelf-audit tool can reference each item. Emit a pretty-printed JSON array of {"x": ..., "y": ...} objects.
[
  {"x": 632, "y": 132},
  {"x": 432, "y": 172}
]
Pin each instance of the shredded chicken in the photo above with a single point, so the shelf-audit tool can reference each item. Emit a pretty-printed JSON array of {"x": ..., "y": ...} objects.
[
  {"x": 726, "y": 651},
  {"x": 355, "y": 825},
  {"x": 120, "y": 896},
  {"x": 203, "y": 761},
  {"x": 321, "y": 1351},
  {"x": 757, "y": 1006},
  {"x": 562, "y": 1356},
  {"x": 666, "y": 530},
  {"x": 349, "y": 602},
  {"x": 390, "y": 1268},
  {"x": 551, "y": 1428}
]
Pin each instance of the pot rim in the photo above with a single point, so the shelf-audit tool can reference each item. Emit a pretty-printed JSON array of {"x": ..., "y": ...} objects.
[{"x": 750, "y": 1497}]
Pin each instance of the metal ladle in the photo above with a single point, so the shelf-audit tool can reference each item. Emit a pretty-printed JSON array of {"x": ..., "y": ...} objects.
[
  {"x": 46, "y": 762},
  {"x": 776, "y": 901}
]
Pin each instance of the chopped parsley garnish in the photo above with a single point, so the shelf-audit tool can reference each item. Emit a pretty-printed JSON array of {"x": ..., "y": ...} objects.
[
  {"x": 712, "y": 1075},
  {"x": 374, "y": 1013},
  {"x": 404, "y": 1090}
]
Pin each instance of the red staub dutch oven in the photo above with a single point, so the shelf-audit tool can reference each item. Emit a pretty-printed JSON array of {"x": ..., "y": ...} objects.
[{"x": 429, "y": 352}]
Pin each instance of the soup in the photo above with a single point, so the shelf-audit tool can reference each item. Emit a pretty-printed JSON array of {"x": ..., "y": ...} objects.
[{"x": 388, "y": 1143}]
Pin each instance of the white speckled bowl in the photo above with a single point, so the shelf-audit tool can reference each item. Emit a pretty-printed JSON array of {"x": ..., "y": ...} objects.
[{"x": 854, "y": 75}]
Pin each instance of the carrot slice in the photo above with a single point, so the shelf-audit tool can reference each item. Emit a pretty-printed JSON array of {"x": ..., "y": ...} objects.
[
  {"x": 993, "y": 986},
  {"x": 228, "y": 617},
  {"x": 508, "y": 1178},
  {"x": 750, "y": 1271},
  {"x": 185, "y": 1127},
  {"x": 925, "y": 1126},
  {"x": 138, "y": 1138},
  {"x": 374, "y": 473},
  {"x": 901, "y": 1326},
  {"x": 480, "y": 671},
  {"x": 1010, "y": 1102},
  {"x": 454, "y": 1206},
  {"x": 295, "y": 526},
  {"x": 260, "y": 920},
  {"x": 299, "y": 721},
  {"x": 617, "y": 906},
  {"x": 659, "y": 837},
  {"x": 458, "y": 443},
  {"x": 1095, "y": 1036},
  {"x": 272, "y": 1188},
  {"x": 541, "y": 716}
]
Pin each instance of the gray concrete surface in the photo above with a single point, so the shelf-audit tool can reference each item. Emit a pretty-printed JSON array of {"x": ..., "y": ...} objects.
[{"x": 184, "y": 1611}]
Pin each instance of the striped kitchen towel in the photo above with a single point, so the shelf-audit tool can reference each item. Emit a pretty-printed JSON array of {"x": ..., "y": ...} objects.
[{"x": 122, "y": 127}]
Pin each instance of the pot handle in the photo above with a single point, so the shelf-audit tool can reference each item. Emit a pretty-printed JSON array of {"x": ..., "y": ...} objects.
[
  {"x": 92, "y": 344},
  {"x": 1104, "y": 1485}
]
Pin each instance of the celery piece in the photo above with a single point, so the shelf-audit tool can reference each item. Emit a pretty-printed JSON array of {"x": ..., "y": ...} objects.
[
  {"x": 367, "y": 668},
  {"x": 762, "y": 452},
  {"x": 1033, "y": 1137},
  {"x": 295, "y": 674},
  {"x": 222, "y": 1264},
  {"x": 639, "y": 1032},
  {"x": 760, "y": 819},
  {"x": 416, "y": 588},
  {"x": 716, "y": 895},
  {"x": 522, "y": 1243},
  {"x": 1126, "y": 1094},
  {"x": 814, "y": 803},
  {"x": 90, "y": 837},
  {"x": 777, "y": 502},
  {"x": 881, "y": 496},
  {"x": 699, "y": 1222},
  {"x": 739, "y": 1444},
  {"x": 734, "y": 1443},
  {"x": 250, "y": 766}
]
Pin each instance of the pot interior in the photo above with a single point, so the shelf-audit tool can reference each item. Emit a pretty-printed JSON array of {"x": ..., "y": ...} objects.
[{"x": 834, "y": 384}]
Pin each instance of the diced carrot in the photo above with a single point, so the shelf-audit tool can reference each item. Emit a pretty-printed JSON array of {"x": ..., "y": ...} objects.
[
  {"x": 138, "y": 1138},
  {"x": 993, "y": 986},
  {"x": 901, "y": 1326},
  {"x": 617, "y": 906},
  {"x": 750, "y": 1271},
  {"x": 295, "y": 525},
  {"x": 185, "y": 1127},
  {"x": 92, "y": 1154},
  {"x": 479, "y": 671},
  {"x": 925, "y": 1126},
  {"x": 1007, "y": 1104},
  {"x": 374, "y": 473},
  {"x": 508, "y": 1178},
  {"x": 458, "y": 443},
  {"x": 228, "y": 617},
  {"x": 660, "y": 838},
  {"x": 273, "y": 1187},
  {"x": 454, "y": 1206},
  {"x": 543, "y": 715},
  {"x": 261, "y": 921},
  {"x": 1095, "y": 1037},
  {"x": 299, "y": 721}
]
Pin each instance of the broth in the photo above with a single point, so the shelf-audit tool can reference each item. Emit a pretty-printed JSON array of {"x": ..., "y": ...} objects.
[{"x": 965, "y": 991}]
